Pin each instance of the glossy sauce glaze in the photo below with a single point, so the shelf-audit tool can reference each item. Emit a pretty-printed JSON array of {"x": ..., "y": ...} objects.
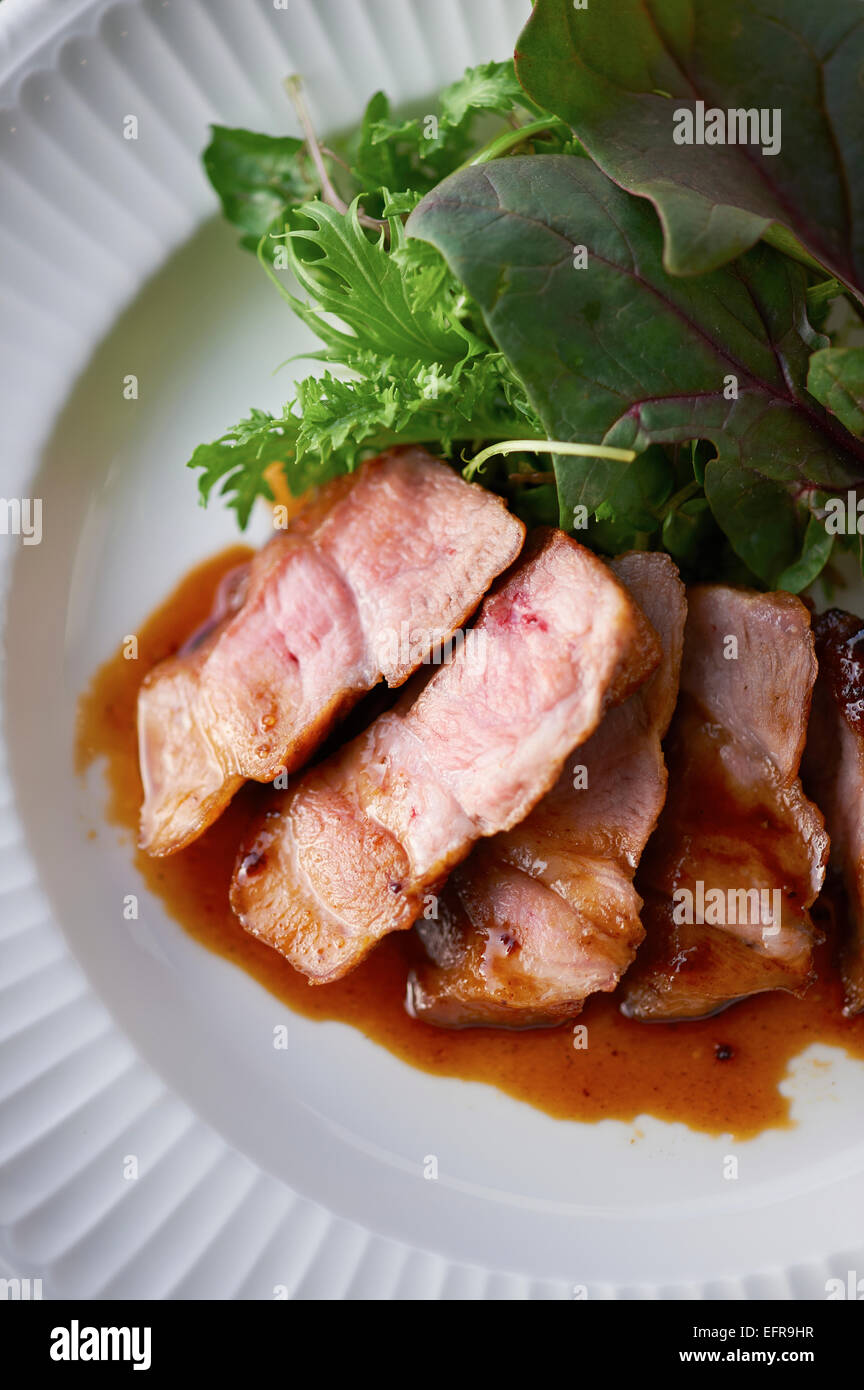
[{"x": 719, "y": 1075}]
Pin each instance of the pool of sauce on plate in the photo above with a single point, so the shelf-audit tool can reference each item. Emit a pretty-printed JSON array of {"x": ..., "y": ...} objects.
[{"x": 719, "y": 1075}]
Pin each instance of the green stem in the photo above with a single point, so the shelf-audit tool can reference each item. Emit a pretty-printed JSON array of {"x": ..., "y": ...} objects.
[
  {"x": 643, "y": 540},
  {"x": 270, "y": 273},
  {"x": 509, "y": 140},
  {"x": 547, "y": 446},
  {"x": 682, "y": 495}
]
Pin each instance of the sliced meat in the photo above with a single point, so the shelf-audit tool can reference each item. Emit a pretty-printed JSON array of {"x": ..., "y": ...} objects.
[
  {"x": 353, "y": 851},
  {"x": 739, "y": 853},
  {"x": 543, "y": 915},
  {"x": 834, "y": 775},
  {"x": 385, "y": 565}
]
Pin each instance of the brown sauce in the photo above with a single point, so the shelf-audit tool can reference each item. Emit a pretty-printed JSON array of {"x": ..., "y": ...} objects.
[{"x": 720, "y": 1075}]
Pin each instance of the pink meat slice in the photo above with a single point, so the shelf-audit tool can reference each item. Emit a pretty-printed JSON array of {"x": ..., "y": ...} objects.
[
  {"x": 834, "y": 776},
  {"x": 542, "y": 916},
  {"x": 383, "y": 566},
  {"x": 354, "y": 850},
  {"x": 736, "y": 820}
]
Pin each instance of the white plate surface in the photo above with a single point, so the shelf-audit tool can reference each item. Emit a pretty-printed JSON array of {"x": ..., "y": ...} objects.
[{"x": 297, "y": 1171}]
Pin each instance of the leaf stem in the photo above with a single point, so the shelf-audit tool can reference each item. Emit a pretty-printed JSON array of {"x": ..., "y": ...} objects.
[
  {"x": 510, "y": 140},
  {"x": 547, "y": 446},
  {"x": 268, "y": 269},
  {"x": 683, "y": 494},
  {"x": 294, "y": 88}
]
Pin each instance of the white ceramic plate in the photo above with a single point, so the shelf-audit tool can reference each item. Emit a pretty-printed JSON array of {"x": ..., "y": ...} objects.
[{"x": 297, "y": 1171}]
